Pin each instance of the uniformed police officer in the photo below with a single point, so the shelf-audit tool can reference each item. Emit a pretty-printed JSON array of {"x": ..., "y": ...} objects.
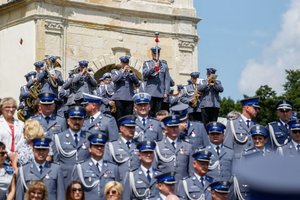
[
  {"x": 81, "y": 82},
  {"x": 95, "y": 172},
  {"x": 292, "y": 149},
  {"x": 279, "y": 130},
  {"x": 260, "y": 136},
  {"x": 106, "y": 90},
  {"x": 50, "y": 82},
  {"x": 172, "y": 152},
  {"x": 219, "y": 190},
  {"x": 192, "y": 132},
  {"x": 147, "y": 128},
  {"x": 123, "y": 152},
  {"x": 71, "y": 146},
  {"x": 222, "y": 158},
  {"x": 192, "y": 97},
  {"x": 96, "y": 120},
  {"x": 40, "y": 169},
  {"x": 165, "y": 183},
  {"x": 125, "y": 81},
  {"x": 194, "y": 187},
  {"x": 210, "y": 98},
  {"x": 51, "y": 123},
  {"x": 140, "y": 182},
  {"x": 237, "y": 134},
  {"x": 157, "y": 80}
]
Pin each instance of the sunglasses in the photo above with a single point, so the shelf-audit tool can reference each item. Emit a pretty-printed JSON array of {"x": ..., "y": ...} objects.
[
  {"x": 112, "y": 192},
  {"x": 296, "y": 131},
  {"x": 284, "y": 111},
  {"x": 76, "y": 189},
  {"x": 3, "y": 153}
]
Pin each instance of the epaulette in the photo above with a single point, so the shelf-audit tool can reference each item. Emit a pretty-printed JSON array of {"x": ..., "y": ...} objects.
[
  {"x": 80, "y": 162},
  {"x": 164, "y": 61},
  {"x": 107, "y": 115},
  {"x": 209, "y": 178},
  {"x": 186, "y": 177},
  {"x": 274, "y": 122},
  {"x": 228, "y": 147}
]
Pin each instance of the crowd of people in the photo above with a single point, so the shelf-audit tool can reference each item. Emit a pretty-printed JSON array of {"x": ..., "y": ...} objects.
[{"x": 121, "y": 137}]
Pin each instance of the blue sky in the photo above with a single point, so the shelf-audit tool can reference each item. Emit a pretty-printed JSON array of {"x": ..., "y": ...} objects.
[{"x": 250, "y": 43}]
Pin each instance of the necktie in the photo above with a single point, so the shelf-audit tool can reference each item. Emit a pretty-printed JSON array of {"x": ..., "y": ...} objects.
[
  {"x": 202, "y": 181},
  {"x": 41, "y": 169},
  {"x": 47, "y": 119},
  {"x": 98, "y": 167},
  {"x": 148, "y": 175},
  {"x": 92, "y": 119},
  {"x": 76, "y": 138},
  {"x": 173, "y": 144},
  {"x": 128, "y": 144},
  {"x": 218, "y": 150},
  {"x": 248, "y": 123},
  {"x": 298, "y": 148},
  {"x": 144, "y": 121}
]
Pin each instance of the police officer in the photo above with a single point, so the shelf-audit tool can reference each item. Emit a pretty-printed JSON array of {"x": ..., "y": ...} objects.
[
  {"x": 210, "y": 98},
  {"x": 260, "y": 136},
  {"x": 172, "y": 152},
  {"x": 123, "y": 152},
  {"x": 96, "y": 120},
  {"x": 140, "y": 182},
  {"x": 192, "y": 132},
  {"x": 157, "y": 80},
  {"x": 95, "y": 172},
  {"x": 71, "y": 146},
  {"x": 40, "y": 169},
  {"x": 105, "y": 90},
  {"x": 125, "y": 82},
  {"x": 292, "y": 149},
  {"x": 279, "y": 129},
  {"x": 219, "y": 190},
  {"x": 194, "y": 187},
  {"x": 81, "y": 82},
  {"x": 237, "y": 134},
  {"x": 50, "y": 82},
  {"x": 147, "y": 128},
  {"x": 222, "y": 158},
  {"x": 51, "y": 123},
  {"x": 166, "y": 185},
  {"x": 192, "y": 97}
]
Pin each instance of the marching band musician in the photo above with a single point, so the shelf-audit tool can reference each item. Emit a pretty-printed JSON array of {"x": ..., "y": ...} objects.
[
  {"x": 81, "y": 82},
  {"x": 95, "y": 172},
  {"x": 71, "y": 146},
  {"x": 140, "y": 182},
  {"x": 172, "y": 152},
  {"x": 192, "y": 97},
  {"x": 147, "y": 128},
  {"x": 157, "y": 80},
  {"x": 210, "y": 98},
  {"x": 105, "y": 90},
  {"x": 49, "y": 77},
  {"x": 96, "y": 120},
  {"x": 125, "y": 81}
]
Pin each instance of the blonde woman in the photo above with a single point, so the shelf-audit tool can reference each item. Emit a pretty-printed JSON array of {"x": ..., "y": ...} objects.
[
  {"x": 32, "y": 129},
  {"x": 11, "y": 129},
  {"x": 37, "y": 190},
  {"x": 113, "y": 190}
]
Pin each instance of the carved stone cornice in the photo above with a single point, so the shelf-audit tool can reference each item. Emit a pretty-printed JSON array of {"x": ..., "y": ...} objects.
[
  {"x": 185, "y": 45},
  {"x": 53, "y": 26}
]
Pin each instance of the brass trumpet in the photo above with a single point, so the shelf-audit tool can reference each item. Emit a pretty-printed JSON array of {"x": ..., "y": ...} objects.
[{"x": 212, "y": 79}]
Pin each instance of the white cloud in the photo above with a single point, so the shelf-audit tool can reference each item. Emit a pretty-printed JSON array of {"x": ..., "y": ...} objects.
[{"x": 283, "y": 53}]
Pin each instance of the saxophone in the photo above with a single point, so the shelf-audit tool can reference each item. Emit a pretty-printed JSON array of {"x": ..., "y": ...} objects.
[{"x": 195, "y": 97}]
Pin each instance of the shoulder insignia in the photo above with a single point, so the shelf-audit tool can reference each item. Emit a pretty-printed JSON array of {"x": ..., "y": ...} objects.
[{"x": 107, "y": 115}]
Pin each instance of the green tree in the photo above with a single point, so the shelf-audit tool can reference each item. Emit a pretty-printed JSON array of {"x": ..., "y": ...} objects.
[
  {"x": 267, "y": 101},
  {"x": 292, "y": 88},
  {"x": 228, "y": 105}
]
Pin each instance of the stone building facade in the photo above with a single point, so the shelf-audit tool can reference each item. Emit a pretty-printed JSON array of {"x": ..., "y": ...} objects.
[{"x": 99, "y": 31}]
